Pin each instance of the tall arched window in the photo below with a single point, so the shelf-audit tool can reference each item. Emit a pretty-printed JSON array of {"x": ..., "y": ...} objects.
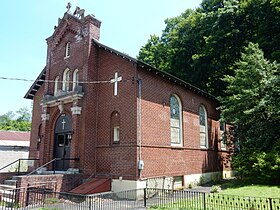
[
  {"x": 203, "y": 127},
  {"x": 67, "y": 50},
  {"x": 66, "y": 80},
  {"x": 56, "y": 85},
  {"x": 176, "y": 121},
  {"x": 115, "y": 127},
  {"x": 222, "y": 135},
  {"x": 75, "y": 79},
  {"x": 39, "y": 135}
]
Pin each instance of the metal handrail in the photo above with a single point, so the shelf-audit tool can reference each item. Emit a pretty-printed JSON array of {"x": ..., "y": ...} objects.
[
  {"x": 18, "y": 160},
  {"x": 52, "y": 161}
]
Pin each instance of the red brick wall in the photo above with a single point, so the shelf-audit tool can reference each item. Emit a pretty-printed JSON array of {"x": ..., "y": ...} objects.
[
  {"x": 6, "y": 175},
  {"x": 56, "y": 64},
  {"x": 160, "y": 158},
  {"x": 35, "y": 146},
  {"x": 117, "y": 159},
  {"x": 59, "y": 182}
]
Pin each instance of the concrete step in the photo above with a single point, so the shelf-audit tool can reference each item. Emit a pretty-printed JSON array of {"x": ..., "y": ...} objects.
[
  {"x": 15, "y": 177},
  {"x": 7, "y": 187},
  {"x": 54, "y": 172},
  {"x": 12, "y": 182},
  {"x": 8, "y": 195},
  {"x": 8, "y": 199},
  {"x": 6, "y": 192}
]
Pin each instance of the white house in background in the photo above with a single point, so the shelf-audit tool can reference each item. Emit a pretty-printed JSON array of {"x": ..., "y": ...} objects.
[{"x": 13, "y": 146}]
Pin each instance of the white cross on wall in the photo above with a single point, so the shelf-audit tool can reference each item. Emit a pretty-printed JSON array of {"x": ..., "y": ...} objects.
[
  {"x": 115, "y": 81},
  {"x": 63, "y": 124}
]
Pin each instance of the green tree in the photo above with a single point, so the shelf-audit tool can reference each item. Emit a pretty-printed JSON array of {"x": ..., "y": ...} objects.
[
  {"x": 24, "y": 114},
  {"x": 252, "y": 104},
  {"x": 199, "y": 46},
  {"x": 150, "y": 53},
  {"x": 19, "y": 122}
]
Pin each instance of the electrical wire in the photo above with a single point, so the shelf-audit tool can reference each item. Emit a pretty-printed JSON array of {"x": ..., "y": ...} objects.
[
  {"x": 18, "y": 79},
  {"x": 53, "y": 81}
]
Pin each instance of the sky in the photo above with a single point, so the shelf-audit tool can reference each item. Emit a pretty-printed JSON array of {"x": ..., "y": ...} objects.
[{"x": 126, "y": 26}]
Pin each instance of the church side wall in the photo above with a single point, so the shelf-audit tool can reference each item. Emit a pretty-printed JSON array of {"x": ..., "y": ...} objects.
[
  {"x": 116, "y": 159},
  {"x": 160, "y": 158}
]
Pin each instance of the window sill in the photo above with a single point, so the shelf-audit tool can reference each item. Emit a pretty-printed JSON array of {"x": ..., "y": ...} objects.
[{"x": 176, "y": 146}]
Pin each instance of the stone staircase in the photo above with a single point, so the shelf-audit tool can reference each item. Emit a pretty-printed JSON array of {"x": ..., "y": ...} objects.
[
  {"x": 11, "y": 196},
  {"x": 8, "y": 192}
]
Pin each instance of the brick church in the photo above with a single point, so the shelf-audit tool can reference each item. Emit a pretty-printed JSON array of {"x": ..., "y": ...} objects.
[{"x": 103, "y": 113}]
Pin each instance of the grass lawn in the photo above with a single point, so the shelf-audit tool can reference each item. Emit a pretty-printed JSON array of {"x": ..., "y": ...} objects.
[
  {"x": 236, "y": 187},
  {"x": 235, "y": 194}
]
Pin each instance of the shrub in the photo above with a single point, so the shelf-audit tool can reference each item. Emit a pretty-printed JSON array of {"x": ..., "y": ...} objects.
[
  {"x": 215, "y": 188},
  {"x": 202, "y": 180},
  {"x": 264, "y": 167}
]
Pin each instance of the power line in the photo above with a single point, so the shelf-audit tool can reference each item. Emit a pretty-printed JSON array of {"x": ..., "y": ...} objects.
[
  {"x": 53, "y": 81},
  {"x": 18, "y": 79}
]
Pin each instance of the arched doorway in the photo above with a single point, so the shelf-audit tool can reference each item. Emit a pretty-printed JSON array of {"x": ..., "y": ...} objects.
[{"x": 62, "y": 141}]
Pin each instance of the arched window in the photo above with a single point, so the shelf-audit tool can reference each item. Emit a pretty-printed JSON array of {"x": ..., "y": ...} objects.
[
  {"x": 222, "y": 135},
  {"x": 75, "y": 79},
  {"x": 203, "y": 127},
  {"x": 39, "y": 135},
  {"x": 67, "y": 50},
  {"x": 175, "y": 121},
  {"x": 66, "y": 80},
  {"x": 56, "y": 85},
  {"x": 115, "y": 127}
]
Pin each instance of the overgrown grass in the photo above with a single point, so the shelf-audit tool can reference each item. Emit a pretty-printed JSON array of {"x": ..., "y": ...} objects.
[
  {"x": 237, "y": 187},
  {"x": 234, "y": 194},
  {"x": 51, "y": 200}
]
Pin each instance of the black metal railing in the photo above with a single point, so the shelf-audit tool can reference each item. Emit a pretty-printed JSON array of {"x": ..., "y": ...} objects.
[
  {"x": 183, "y": 199},
  {"x": 44, "y": 197},
  {"x": 52, "y": 164},
  {"x": 20, "y": 166},
  {"x": 25, "y": 198},
  {"x": 38, "y": 197}
]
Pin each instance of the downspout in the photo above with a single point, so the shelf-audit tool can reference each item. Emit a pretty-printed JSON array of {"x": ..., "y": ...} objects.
[{"x": 139, "y": 114}]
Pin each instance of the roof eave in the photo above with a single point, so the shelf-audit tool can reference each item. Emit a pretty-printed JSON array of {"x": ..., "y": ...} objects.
[
  {"x": 156, "y": 71},
  {"x": 36, "y": 85}
]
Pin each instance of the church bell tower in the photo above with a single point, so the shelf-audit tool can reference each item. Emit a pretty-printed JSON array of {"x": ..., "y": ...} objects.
[{"x": 68, "y": 53}]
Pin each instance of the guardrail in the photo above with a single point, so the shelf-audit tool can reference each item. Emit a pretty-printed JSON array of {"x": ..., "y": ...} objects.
[
  {"x": 53, "y": 162},
  {"x": 19, "y": 165}
]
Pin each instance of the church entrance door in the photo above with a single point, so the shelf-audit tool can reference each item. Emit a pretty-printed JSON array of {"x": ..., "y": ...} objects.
[{"x": 62, "y": 142}]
